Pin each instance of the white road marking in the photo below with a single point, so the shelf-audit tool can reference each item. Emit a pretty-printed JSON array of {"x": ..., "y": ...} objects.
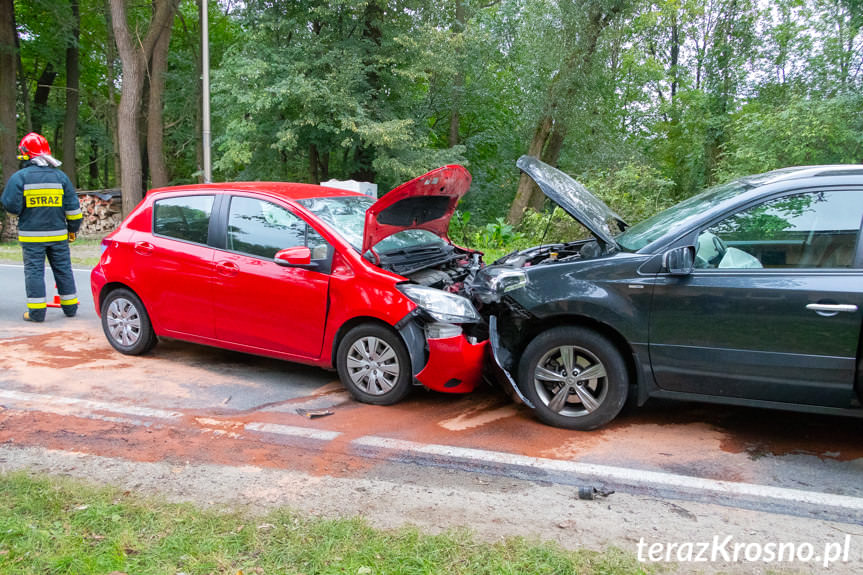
[
  {"x": 44, "y": 402},
  {"x": 623, "y": 475},
  {"x": 87, "y": 415},
  {"x": 292, "y": 431}
]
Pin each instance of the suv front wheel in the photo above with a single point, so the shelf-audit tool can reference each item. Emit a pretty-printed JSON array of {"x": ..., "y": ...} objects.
[{"x": 575, "y": 378}]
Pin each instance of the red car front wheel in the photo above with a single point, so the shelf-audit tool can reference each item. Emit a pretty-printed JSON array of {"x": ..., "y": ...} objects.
[{"x": 374, "y": 365}]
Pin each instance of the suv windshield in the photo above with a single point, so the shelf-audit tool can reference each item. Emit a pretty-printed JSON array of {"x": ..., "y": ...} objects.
[
  {"x": 676, "y": 217},
  {"x": 347, "y": 216}
]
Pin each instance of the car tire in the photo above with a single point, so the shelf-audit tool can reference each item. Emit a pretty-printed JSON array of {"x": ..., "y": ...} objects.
[
  {"x": 550, "y": 376},
  {"x": 373, "y": 363},
  {"x": 126, "y": 323}
]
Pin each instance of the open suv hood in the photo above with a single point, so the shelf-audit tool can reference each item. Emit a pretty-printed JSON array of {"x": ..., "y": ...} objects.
[
  {"x": 574, "y": 198},
  {"x": 427, "y": 202}
]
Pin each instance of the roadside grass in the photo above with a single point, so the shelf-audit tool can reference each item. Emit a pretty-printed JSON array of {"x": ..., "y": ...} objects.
[
  {"x": 85, "y": 251},
  {"x": 50, "y": 525}
]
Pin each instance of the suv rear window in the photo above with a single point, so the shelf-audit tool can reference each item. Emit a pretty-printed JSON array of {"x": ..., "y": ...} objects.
[{"x": 186, "y": 218}]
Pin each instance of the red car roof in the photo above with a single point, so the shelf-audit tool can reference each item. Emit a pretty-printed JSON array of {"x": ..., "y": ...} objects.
[{"x": 287, "y": 190}]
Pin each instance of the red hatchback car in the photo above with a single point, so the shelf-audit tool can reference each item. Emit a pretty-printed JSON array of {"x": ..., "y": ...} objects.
[{"x": 304, "y": 273}]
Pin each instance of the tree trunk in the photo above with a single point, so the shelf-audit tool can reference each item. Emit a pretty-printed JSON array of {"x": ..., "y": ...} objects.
[
  {"x": 551, "y": 130},
  {"x": 70, "y": 123},
  {"x": 40, "y": 98},
  {"x": 8, "y": 57},
  {"x": 127, "y": 111},
  {"x": 134, "y": 55},
  {"x": 313, "y": 165},
  {"x": 155, "y": 125},
  {"x": 325, "y": 166},
  {"x": 550, "y": 155},
  {"x": 22, "y": 81},
  {"x": 93, "y": 166},
  {"x": 526, "y": 186},
  {"x": 111, "y": 113}
]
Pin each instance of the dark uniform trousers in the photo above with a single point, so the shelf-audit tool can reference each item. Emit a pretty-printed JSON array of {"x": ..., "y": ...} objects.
[{"x": 34, "y": 276}]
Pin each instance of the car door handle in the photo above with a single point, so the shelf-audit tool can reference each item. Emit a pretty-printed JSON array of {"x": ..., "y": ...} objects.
[
  {"x": 227, "y": 269},
  {"x": 144, "y": 248},
  {"x": 832, "y": 308}
]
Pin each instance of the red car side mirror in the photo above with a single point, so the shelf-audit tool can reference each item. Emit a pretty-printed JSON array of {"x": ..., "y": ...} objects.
[{"x": 299, "y": 256}]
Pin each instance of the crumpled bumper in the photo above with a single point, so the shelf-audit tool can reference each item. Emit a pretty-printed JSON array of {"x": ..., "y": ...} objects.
[
  {"x": 496, "y": 366},
  {"x": 454, "y": 365}
]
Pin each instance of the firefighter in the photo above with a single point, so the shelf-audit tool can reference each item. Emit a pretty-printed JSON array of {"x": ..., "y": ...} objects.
[{"x": 49, "y": 216}]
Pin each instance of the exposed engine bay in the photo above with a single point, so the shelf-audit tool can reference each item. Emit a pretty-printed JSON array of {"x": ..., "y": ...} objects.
[
  {"x": 444, "y": 267},
  {"x": 448, "y": 267},
  {"x": 552, "y": 253}
]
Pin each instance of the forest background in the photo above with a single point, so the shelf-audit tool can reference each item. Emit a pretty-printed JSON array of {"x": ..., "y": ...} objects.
[{"x": 644, "y": 102}]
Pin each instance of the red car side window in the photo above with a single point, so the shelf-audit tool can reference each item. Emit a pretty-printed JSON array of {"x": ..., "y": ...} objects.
[{"x": 185, "y": 218}]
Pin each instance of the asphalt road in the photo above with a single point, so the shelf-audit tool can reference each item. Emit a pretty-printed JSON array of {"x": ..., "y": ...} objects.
[{"x": 63, "y": 387}]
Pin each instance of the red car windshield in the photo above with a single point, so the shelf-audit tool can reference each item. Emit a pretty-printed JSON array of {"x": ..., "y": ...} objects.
[{"x": 346, "y": 215}]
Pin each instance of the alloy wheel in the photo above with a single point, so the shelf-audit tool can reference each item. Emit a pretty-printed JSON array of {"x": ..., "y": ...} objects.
[
  {"x": 124, "y": 322},
  {"x": 373, "y": 365},
  {"x": 571, "y": 381}
]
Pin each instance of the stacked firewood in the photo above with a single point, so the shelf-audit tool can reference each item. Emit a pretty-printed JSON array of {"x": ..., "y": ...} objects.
[
  {"x": 101, "y": 210},
  {"x": 8, "y": 228}
]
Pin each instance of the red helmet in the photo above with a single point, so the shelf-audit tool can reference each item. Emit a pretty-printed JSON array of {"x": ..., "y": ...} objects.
[{"x": 33, "y": 145}]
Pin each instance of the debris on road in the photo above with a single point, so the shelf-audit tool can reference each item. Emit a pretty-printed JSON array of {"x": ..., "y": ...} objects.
[
  {"x": 313, "y": 413},
  {"x": 590, "y": 492}
]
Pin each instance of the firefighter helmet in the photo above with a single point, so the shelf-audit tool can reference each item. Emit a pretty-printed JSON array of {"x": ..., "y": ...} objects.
[{"x": 33, "y": 145}]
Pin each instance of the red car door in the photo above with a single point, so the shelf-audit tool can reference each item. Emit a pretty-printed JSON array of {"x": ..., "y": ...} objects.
[
  {"x": 258, "y": 304},
  {"x": 172, "y": 266}
]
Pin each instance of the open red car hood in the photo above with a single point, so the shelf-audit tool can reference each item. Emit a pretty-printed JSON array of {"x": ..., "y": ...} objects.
[{"x": 427, "y": 202}]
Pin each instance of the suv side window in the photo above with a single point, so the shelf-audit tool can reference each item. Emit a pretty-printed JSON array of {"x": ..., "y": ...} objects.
[
  {"x": 809, "y": 230},
  {"x": 261, "y": 228},
  {"x": 186, "y": 218}
]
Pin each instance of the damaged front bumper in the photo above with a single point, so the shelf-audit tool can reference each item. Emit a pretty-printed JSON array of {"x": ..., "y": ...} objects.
[
  {"x": 450, "y": 364},
  {"x": 496, "y": 362}
]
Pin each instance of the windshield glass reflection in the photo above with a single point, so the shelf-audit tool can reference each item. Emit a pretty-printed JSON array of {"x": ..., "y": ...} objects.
[
  {"x": 347, "y": 216},
  {"x": 676, "y": 217}
]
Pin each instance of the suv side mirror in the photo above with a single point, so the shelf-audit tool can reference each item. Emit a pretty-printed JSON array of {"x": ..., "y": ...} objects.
[
  {"x": 296, "y": 257},
  {"x": 679, "y": 261}
]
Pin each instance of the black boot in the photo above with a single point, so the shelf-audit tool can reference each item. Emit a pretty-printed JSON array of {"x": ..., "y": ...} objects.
[{"x": 34, "y": 316}]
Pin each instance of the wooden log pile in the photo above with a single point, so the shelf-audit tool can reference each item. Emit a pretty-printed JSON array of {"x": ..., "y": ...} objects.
[
  {"x": 8, "y": 228},
  {"x": 102, "y": 211}
]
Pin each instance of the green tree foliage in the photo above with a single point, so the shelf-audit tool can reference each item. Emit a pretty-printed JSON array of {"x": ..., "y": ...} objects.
[
  {"x": 319, "y": 90},
  {"x": 644, "y": 101},
  {"x": 802, "y": 131}
]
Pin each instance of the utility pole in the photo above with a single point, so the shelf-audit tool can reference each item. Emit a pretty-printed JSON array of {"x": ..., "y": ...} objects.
[{"x": 205, "y": 66}]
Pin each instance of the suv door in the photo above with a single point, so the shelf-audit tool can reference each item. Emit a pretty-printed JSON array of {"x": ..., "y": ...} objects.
[
  {"x": 773, "y": 309},
  {"x": 260, "y": 304}
]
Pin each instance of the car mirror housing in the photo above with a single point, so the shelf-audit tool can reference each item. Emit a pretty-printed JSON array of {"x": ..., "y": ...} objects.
[
  {"x": 679, "y": 261},
  {"x": 296, "y": 257}
]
